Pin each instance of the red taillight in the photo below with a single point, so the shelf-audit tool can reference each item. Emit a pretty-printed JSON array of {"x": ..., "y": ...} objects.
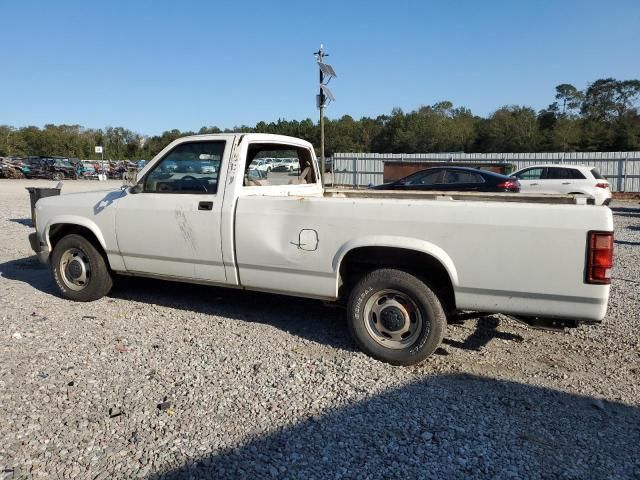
[
  {"x": 602, "y": 185},
  {"x": 511, "y": 185},
  {"x": 599, "y": 257}
]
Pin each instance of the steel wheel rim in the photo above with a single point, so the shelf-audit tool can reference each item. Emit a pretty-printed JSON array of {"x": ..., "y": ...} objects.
[
  {"x": 393, "y": 319},
  {"x": 75, "y": 269}
]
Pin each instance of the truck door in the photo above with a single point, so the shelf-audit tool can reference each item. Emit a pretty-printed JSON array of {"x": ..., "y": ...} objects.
[{"x": 169, "y": 224}]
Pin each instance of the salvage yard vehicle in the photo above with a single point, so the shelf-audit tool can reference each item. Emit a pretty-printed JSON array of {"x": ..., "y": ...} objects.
[
  {"x": 571, "y": 179},
  {"x": 287, "y": 165},
  {"x": 54, "y": 168},
  {"x": 261, "y": 165},
  {"x": 459, "y": 179},
  {"x": 401, "y": 261}
]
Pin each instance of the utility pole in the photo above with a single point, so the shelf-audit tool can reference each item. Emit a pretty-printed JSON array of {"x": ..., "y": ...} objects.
[{"x": 326, "y": 74}]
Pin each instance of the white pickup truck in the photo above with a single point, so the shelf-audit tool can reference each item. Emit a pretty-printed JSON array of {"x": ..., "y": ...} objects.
[{"x": 401, "y": 261}]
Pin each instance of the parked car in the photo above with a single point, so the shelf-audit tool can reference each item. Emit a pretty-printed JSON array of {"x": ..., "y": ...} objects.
[
  {"x": 459, "y": 179},
  {"x": 287, "y": 165},
  {"x": 86, "y": 169},
  {"x": 401, "y": 264},
  {"x": 54, "y": 168},
  {"x": 208, "y": 167},
  {"x": 12, "y": 168},
  {"x": 566, "y": 179},
  {"x": 262, "y": 164}
]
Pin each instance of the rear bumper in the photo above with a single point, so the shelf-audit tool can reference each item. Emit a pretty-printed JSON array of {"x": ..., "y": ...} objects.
[
  {"x": 602, "y": 197},
  {"x": 41, "y": 251}
]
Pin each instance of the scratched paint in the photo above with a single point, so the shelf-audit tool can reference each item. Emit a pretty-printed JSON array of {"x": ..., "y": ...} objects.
[{"x": 185, "y": 228}]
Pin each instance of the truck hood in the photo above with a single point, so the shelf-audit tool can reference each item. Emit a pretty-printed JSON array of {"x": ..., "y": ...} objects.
[{"x": 66, "y": 206}]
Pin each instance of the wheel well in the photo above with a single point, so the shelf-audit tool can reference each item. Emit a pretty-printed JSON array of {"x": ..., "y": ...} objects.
[
  {"x": 60, "y": 230},
  {"x": 360, "y": 261}
]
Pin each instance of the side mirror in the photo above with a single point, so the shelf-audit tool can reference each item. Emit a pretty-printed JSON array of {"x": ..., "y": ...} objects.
[{"x": 130, "y": 177}]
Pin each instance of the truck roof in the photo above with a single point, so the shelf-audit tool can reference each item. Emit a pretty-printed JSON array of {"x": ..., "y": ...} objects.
[{"x": 265, "y": 137}]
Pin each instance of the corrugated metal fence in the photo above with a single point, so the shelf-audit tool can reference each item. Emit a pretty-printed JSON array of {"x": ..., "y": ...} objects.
[{"x": 362, "y": 169}]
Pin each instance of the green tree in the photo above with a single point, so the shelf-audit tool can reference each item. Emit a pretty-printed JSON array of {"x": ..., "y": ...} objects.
[
  {"x": 510, "y": 129},
  {"x": 569, "y": 97}
]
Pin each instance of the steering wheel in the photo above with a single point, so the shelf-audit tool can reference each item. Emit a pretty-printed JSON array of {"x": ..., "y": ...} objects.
[{"x": 191, "y": 178}]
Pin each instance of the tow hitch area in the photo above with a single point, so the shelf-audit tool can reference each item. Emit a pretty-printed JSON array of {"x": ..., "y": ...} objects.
[{"x": 554, "y": 324}]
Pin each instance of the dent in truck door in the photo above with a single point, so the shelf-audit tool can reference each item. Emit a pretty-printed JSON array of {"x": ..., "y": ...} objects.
[{"x": 170, "y": 225}]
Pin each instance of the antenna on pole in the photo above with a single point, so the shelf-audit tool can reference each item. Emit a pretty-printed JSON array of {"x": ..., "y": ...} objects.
[{"x": 323, "y": 98}]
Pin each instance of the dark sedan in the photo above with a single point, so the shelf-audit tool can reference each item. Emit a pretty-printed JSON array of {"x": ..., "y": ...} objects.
[{"x": 459, "y": 179}]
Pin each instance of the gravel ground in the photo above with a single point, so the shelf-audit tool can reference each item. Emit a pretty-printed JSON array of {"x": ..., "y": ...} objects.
[{"x": 164, "y": 380}]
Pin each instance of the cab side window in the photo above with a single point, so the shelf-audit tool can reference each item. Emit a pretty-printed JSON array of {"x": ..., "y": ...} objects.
[
  {"x": 192, "y": 167},
  {"x": 276, "y": 164}
]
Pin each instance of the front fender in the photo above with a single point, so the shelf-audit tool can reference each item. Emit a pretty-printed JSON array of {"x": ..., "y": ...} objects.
[
  {"x": 407, "y": 243},
  {"x": 74, "y": 220}
]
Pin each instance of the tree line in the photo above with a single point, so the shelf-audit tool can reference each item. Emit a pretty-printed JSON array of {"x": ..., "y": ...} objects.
[{"x": 603, "y": 117}]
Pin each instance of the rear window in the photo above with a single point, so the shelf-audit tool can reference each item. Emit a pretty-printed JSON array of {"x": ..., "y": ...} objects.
[{"x": 596, "y": 174}]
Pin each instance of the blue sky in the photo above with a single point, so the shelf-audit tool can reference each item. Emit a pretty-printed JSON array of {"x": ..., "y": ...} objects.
[{"x": 155, "y": 65}]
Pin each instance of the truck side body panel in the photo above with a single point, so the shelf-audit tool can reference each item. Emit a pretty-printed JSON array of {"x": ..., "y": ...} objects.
[{"x": 517, "y": 258}]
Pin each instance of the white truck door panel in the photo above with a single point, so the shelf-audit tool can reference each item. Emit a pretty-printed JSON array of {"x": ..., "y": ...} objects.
[
  {"x": 167, "y": 234},
  {"x": 169, "y": 223}
]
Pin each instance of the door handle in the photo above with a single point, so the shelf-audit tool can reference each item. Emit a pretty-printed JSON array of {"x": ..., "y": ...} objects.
[
  {"x": 533, "y": 184},
  {"x": 205, "y": 206},
  {"x": 566, "y": 183}
]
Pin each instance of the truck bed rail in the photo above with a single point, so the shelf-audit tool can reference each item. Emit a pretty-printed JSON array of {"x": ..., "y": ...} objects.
[{"x": 468, "y": 196}]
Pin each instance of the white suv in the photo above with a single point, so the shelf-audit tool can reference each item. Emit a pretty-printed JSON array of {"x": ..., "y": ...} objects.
[{"x": 566, "y": 179}]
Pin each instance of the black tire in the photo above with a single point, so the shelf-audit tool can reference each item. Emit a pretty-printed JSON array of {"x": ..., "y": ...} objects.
[
  {"x": 427, "y": 336},
  {"x": 99, "y": 280}
]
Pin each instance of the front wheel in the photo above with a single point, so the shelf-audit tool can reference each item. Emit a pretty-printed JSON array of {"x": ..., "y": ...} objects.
[
  {"x": 79, "y": 270},
  {"x": 395, "y": 317}
]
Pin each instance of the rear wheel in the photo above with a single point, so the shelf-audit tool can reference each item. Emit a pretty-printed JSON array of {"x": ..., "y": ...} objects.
[
  {"x": 79, "y": 269},
  {"x": 395, "y": 317}
]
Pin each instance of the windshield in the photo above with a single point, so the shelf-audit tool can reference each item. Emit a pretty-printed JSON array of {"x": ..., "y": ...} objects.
[
  {"x": 63, "y": 163},
  {"x": 596, "y": 174}
]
